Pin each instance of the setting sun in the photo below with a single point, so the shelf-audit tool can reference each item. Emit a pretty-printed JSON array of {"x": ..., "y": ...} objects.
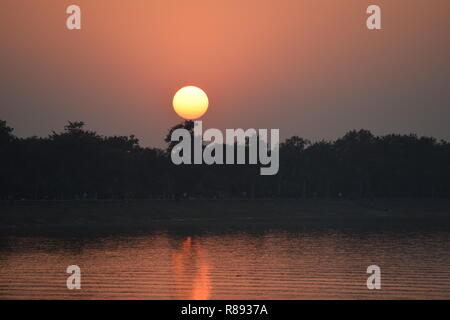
[{"x": 190, "y": 102}]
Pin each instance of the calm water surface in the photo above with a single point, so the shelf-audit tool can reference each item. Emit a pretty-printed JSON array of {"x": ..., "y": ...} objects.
[{"x": 304, "y": 263}]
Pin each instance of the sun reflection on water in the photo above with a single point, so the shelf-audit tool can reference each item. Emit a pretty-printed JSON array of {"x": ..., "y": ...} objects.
[{"x": 190, "y": 262}]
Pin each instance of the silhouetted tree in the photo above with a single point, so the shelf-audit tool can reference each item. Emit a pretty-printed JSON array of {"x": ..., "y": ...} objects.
[{"x": 81, "y": 164}]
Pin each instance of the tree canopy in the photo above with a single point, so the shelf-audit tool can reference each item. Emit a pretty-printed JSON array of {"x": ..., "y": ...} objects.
[{"x": 81, "y": 164}]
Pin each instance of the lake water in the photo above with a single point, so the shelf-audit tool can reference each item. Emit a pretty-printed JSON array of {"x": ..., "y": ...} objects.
[{"x": 280, "y": 263}]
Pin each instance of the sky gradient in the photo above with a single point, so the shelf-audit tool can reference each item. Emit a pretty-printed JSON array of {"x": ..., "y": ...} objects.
[{"x": 308, "y": 67}]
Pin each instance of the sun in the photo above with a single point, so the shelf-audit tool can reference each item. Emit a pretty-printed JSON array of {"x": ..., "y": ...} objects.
[{"x": 190, "y": 102}]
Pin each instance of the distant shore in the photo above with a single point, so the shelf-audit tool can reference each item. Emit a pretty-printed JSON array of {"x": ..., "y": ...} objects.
[{"x": 139, "y": 214}]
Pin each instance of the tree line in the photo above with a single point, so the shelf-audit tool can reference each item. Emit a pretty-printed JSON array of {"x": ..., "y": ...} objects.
[{"x": 81, "y": 164}]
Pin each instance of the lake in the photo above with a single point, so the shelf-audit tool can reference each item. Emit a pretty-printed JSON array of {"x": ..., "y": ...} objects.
[{"x": 293, "y": 262}]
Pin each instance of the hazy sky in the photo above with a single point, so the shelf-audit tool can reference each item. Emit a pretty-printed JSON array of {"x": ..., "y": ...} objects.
[{"x": 308, "y": 67}]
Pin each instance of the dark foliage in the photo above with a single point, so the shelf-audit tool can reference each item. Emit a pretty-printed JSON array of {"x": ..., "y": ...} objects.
[{"x": 80, "y": 164}]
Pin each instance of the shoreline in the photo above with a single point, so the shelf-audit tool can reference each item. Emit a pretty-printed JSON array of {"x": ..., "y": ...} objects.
[{"x": 114, "y": 215}]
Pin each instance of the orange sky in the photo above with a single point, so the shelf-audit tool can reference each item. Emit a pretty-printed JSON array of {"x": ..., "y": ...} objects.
[{"x": 308, "y": 67}]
